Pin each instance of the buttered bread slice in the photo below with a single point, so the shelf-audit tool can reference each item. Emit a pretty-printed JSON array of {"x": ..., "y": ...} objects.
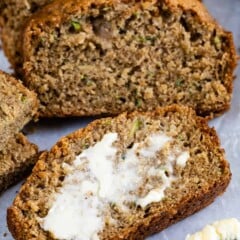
[{"x": 122, "y": 178}]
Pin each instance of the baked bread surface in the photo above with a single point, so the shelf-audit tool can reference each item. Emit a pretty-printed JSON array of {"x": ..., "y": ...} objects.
[
  {"x": 13, "y": 14},
  {"x": 204, "y": 177},
  {"x": 18, "y": 106},
  {"x": 106, "y": 57},
  {"x": 16, "y": 160}
]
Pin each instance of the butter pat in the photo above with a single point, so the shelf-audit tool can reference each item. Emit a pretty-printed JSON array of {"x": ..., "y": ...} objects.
[{"x": 227, "y": 229}]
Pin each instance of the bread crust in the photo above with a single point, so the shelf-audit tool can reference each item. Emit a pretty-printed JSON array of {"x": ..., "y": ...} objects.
[
  {"x": 13, "y": 15},
  {"x": 151, "y": 226},
  {"x": 16, "y": 160},
  {"x": 19, "y": 226}
]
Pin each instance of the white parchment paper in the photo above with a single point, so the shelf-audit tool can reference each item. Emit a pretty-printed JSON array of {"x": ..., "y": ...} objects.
[{"x": 47, "y": 132}]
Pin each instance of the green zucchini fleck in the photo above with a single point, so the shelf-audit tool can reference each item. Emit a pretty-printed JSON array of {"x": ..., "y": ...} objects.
[{"x": 76, "y": 26}]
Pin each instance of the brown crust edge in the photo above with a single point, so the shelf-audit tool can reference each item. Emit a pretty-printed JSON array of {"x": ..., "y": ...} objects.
[
  {"x": 188, "y": 208},
  {"x": 17, "y": 176},
  {"x": 23, "y": 170},
  {"x": 14, "y": 214},
  {"x": 157, "y": 224},
  {"x": 161, "y": 220}
]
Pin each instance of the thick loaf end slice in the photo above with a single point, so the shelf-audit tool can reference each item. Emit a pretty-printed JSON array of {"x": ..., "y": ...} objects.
[
  {"x": 85, "y": 57},
  {"x": 13, "y": 14},
  {"x": 122, "y": 178},
  {"x": 16, "y": 160},
  {"x": 18, "y": 106}
]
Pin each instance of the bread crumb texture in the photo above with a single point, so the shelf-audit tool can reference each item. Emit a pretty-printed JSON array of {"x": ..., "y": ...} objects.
[
  {"x": 106, "y": 57},
  {"x": 16, "y": 160},
  {"x": 18, "y": 106},
  {"x": 197, "y": 178},
  {"x": 13, "y": 15}
]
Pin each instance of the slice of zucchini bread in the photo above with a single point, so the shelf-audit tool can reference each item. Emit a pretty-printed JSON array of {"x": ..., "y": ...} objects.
[
  {"x": 16, "y": 160},
  {"x": 18, "y": 105},
  {"x": 13, "y": 14},
  {"x": 122, "y": 178},
  {"x": 85, "y": 57}
]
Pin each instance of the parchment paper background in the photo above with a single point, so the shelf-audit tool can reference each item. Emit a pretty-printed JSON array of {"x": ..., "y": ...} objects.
[{"x": 47, "y": 132}]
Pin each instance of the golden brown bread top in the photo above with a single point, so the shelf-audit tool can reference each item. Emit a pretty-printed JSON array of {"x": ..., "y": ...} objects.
[{"x": 57, "y": 11}]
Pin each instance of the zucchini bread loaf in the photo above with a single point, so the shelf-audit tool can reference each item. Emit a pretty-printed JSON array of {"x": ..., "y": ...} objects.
[
  {"x": 122, "y": 178},
  {"x": 18, "y": 105},
  {"x": 16, "y": 160},
  {"x": 13, "y": 14},
  {"x": 85, "y": 57}
]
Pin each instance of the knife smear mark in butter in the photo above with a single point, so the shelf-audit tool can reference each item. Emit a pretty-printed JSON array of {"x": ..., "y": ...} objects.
[
  {"x": 96, "y": 180},
  {"x": 227, "y": 229}
]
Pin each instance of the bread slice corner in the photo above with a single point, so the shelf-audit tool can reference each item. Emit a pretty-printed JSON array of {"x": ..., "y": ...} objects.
[
  {"x": 18, "y": 106},
  {"x": 16, "y": 160}
]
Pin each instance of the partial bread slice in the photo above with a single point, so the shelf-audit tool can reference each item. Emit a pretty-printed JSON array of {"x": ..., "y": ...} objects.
[
  {"x": 13, "y": 14},
  {"x": 16, "y": 160},
  {"x": 18, "y": 106},
  {"x": 87, "y": 57},
  {"x": 197, "y": 177}
]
